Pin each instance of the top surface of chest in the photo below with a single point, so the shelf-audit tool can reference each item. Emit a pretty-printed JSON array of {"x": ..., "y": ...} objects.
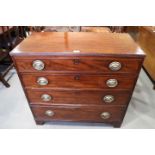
[{"x": 77, "y": 43}]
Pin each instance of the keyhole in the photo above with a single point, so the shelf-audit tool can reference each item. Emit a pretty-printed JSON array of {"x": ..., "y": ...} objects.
[
  {"x": 76, "y": 61},
  {"x": 77, "y": 77}
]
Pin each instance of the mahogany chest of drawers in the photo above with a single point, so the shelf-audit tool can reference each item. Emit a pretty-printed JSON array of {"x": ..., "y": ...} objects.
[{"x": 78, "y": 76}]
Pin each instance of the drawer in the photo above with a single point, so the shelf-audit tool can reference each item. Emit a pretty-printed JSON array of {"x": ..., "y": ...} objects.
[
  {"x": 91, "y": 97},
  {"x": 82, "y": 64},
  {"x": 75, "y": 81},
  {"x": 79, "y": 113}
]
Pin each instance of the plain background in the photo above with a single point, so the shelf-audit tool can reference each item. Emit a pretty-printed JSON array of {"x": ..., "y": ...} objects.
[{"x": 77, "y": 13}]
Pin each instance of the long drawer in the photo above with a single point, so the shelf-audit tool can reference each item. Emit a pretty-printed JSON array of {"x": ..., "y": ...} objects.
[
  {"x": 75, "y": 81},
  {"x": 82, "y": 64},
  {"x": 79, "y": 113},
  {"x": 91, "y": 97}
]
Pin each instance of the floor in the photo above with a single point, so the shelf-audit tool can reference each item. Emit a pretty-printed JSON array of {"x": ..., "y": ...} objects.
[{"x": 15, "y": 112}]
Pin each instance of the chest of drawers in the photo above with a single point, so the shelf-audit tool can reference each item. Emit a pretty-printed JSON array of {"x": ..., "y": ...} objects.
[{"x": 79, "y": 76}]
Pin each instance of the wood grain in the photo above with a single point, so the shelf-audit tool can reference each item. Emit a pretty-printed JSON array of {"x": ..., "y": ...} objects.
[
  {"x": 78, "y": 113},
  {"x": 77, "y": 81},
  {"x": 59, "y": 43},
  {"x": 90, "y": 97},
  {"x": 79, "y": 64}
]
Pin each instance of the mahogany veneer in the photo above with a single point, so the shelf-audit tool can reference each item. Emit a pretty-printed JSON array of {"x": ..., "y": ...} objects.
[
  {"x": 77, "y": 81},
  {"x": 80, "y": 64},
  {"x": 77, "y": 113},
  {"x": 78, "y": 76},
  {"x": 89, "y": 97}
]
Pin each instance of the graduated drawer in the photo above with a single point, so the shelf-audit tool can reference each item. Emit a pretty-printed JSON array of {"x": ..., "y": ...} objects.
[
  {"x": 82, "y": 64},
  {"x": 91, "y": 97},
  {"x": 75, "y": 81},
  {"x": 79, "y": 113}
]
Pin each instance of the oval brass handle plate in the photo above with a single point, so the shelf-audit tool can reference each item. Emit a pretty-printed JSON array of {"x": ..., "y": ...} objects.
[
  {"x": 112, "y": 83},
  {"x": 46, "y": 97},
  {"x": 42, "y": 81},
  {"x": 38, "y": 65},
  {"x": 108, "y": 98},
  {"x": 115, "y": 66},
  {"x": 105, "y": 115},
  {"x": 49, "y": 113}
]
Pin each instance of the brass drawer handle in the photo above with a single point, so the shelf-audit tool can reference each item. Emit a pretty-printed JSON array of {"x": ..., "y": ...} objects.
[
  {"x": 49, "y": 113},
  {"x": 42, "y": 81},
  {"x": 105, "y": 115},
  {"x": 115, "y": 66},
  {"x": 76, "y": 61},
  {"x": 77, "y": 77},
  {"x": 46, "y": 97},
  {"x": 108, "y": 98},
  {"x": 112, "y": 83},
  {"x": 38, "y": 65}
]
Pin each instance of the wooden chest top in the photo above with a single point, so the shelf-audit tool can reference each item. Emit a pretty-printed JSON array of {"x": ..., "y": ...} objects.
[{"x": 77, "y": 43}]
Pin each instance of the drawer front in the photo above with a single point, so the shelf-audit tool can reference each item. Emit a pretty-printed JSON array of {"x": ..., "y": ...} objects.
[
  {"x": 87, "y": 64},
  {"x": 79, "y": 113},
  {"x": 53, "y": 97},
  {"x": 75, "y": 81}
]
